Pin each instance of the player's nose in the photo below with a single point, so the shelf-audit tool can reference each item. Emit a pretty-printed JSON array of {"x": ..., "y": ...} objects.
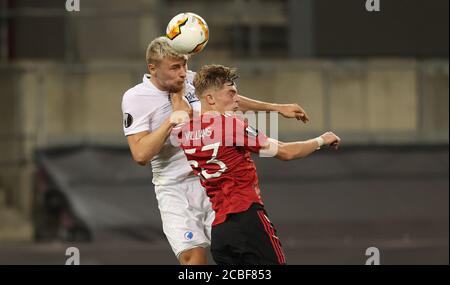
[{"x": 183, "y": 72}]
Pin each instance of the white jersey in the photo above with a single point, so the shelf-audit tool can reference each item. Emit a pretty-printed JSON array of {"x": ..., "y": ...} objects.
[{"x": 145, "y": 108}]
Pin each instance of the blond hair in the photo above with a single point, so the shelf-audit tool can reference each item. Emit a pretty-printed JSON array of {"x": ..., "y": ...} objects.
[
  {"x": 159, "y": 49},
  {"x": 213, "y": 76}
]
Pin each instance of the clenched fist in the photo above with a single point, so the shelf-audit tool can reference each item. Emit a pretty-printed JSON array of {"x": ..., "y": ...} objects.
[{"x": 330, "y": 139}]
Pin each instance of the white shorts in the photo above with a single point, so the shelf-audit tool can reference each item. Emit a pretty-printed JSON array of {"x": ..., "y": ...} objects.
[{"x": 186, "y": 214}]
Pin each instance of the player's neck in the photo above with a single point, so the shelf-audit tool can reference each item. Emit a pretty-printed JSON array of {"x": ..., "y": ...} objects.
[
  {"x": 206, "y": 109},
  {"x": 155, "y": 83}
]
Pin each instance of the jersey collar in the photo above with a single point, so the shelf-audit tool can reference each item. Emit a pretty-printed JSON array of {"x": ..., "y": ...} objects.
[{"x": 148, "y": 84}]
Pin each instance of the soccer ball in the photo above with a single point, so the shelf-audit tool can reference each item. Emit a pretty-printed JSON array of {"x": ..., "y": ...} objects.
[{"x": 188, "y": 33}]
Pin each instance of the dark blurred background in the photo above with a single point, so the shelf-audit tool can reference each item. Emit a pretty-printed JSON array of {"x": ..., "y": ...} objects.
[{"x": 377, "y": 79}]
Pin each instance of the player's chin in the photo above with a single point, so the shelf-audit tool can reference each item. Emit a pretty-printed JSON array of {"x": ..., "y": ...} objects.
[{"x": 176, "y": 88}]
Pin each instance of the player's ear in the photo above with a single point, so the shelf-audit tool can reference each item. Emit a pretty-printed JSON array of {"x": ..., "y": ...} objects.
[
  {"x": 151, "y": 69},
  {"x": 210, "y": 99}
]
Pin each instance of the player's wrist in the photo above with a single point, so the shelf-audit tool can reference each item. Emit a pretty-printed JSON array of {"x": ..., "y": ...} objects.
[
  {"x": 275, "y": 107},
  {"x": 320, "y": 141}
]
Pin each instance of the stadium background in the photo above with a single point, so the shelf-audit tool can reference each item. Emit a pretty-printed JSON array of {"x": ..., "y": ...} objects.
[{"x": 378, "y": 79}]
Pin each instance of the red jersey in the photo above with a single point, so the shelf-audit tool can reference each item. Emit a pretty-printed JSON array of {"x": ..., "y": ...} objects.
[{"x": 218, "y": 149}]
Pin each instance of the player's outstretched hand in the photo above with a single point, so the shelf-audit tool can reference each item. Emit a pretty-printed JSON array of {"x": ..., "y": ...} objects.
[
  {"x": 293, "y": 111},
  {"x": 331, "y": 140}
]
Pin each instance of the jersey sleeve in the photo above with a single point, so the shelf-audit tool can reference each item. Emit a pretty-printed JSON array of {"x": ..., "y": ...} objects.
[
  {"x": 190, "y": 95},
  {"x": 245, "y": 135},
  {"x": 136, "y": 114},
  {"x": 190, "y": 76}
]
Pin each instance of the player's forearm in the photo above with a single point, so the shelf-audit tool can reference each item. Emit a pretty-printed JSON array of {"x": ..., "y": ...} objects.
[
  {"x": 295, "y": 150},
  {"x": 151, "y": 144},
  {"x": 246, "y": 104}
]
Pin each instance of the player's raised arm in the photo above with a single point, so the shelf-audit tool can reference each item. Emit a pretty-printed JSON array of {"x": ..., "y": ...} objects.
[
  {"x": 286, "y": 110},
  {"x": 182, "y": 111},
  {"x": 145, "y": 145},
  {"x": 299, "y": 149}
]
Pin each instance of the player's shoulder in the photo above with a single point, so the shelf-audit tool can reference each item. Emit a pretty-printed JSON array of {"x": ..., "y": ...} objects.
[
  {"x": 142, "y": 93},
  {"x": 134, "y": 91},
  {"x": 137, "y": 90},
  {"x": 132, "y": 97},
  {"x": 130, "y": 92}
]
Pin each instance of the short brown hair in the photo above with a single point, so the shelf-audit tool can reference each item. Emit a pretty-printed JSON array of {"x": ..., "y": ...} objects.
[{"x": 213, "y": 76}]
